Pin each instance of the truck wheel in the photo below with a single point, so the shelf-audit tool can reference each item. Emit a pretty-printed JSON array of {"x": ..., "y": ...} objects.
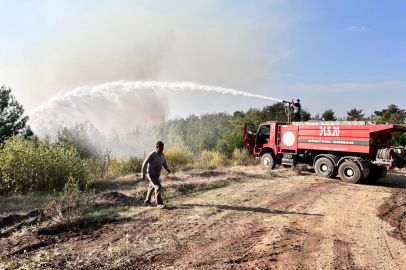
[
  {"x": 349, "y": 172},
  {"x": 324, "y": 167},
  {"x": 268, "y": 161}
]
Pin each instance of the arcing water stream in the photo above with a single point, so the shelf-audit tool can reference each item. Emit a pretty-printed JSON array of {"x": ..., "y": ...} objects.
[
  {"x": 193, "y": 87},
  {"x": 119, "y": 102},
  {"x": 115, "y": 88}
]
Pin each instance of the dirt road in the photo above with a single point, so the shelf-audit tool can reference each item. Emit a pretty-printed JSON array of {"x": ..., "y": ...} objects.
[{"x": 287, "y": 220}]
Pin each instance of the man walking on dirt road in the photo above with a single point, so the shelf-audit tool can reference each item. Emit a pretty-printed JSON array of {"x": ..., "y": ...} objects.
[{"x": 152, "y": 167}]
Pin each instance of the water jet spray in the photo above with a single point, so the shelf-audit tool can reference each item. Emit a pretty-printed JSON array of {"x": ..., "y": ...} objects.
[{"x": 89, "y": 102}]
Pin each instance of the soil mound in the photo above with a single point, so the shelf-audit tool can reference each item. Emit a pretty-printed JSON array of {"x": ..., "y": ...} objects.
[
  {"x": 11, "y": 220},
  {"x": 15, "y": 222},
  {"x": 205, "y": 174},
  {"x": 393, "y": 211},
  {"x": 111, "y": 198}
]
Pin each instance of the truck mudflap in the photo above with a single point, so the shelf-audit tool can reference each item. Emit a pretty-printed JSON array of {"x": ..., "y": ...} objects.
[
  {"x": 384, "y": 172},
  {"x": 363, "y": 164},
  {"x": 364, "y": 167}
]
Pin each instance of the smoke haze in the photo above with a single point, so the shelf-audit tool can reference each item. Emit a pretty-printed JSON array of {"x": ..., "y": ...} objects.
[{"x": 142, "y": 40}]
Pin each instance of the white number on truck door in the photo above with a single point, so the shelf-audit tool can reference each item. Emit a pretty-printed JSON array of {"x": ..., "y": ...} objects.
[{"x": 327, "y": 132}]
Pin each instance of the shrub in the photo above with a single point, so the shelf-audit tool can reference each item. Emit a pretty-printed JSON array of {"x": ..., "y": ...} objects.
[
  {"x": 123, "y": 166},
  {"x": 242, "y": 157},
  {"x": 26, "y": 165},
  {"x": 211, "y": 159},
  {"x": 132, "y": 165},
  {"x": 106, "y": 166},
  {"x": 114, "y": 167},
  {"x": 71, "y": 206},
  {"x": 96, "y": 168},
  {"x": 179, "y": 158}
]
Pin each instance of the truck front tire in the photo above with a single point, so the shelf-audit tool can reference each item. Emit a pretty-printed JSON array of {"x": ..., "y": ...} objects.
[
  {"x": 268, "y": 161},
  {"x": 349, "y": 172},
  {"x": 324, "y": 167}
]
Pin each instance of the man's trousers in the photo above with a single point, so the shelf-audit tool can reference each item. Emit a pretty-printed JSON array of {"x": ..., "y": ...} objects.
[{"x": 154, "y": 185}]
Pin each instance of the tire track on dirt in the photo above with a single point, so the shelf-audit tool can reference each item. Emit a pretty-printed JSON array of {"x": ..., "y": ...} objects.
[
  {"x": 292, "y": 232},
  {"x": 354, "y": 232},
  {"x": 370, "y": 247},
  {"x": 249, "y": 249},
  {"x": 343, "y": 258},
  {"x": 300, "y": 239}
]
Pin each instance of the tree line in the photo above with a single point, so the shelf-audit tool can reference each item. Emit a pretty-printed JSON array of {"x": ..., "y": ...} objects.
[{"x": 220, "y": 132}]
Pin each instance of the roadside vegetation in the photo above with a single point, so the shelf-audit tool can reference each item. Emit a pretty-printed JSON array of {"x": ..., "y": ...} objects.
[
  {"x": 34, "y": 165},
  {"x": 30, "y": 164}
]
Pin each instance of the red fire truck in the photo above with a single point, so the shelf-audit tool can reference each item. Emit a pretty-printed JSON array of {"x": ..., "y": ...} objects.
[{"x": 355, "y": 150}]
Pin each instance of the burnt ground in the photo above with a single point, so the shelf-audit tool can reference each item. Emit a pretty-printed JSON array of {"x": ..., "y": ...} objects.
[{"x": 238, "y": 218}]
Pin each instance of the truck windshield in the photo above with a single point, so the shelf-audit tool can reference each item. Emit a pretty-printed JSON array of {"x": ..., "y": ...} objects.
[{"x": 263, "y": 134}]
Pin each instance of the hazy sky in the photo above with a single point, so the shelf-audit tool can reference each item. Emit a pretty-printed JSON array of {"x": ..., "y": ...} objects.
[{"x": 331, "y": 54}]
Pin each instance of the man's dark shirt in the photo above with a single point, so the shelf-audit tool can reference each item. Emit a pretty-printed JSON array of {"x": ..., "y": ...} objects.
[{"x": 296, "y": 107}]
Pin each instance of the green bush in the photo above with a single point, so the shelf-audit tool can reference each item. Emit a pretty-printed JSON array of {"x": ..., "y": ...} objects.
[
  {"x": 27, "y": 165},
  {"x": 132, "y": 165},
  {"x": 179, "y": 158},
  {"x": 97, "y": 168},
  {"x": 107, "y": 166},
  {"x": 123, "y": 166}
]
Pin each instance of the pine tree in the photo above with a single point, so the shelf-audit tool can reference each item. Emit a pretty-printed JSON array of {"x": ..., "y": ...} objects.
[
  {"x": 355, "y": 114},
  {"x": 328, "y": 115},
  {"x": 12, "y": 121}
]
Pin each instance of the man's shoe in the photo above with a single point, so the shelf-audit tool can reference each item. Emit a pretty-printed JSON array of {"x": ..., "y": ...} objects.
[
  {"x": 147, "y": 203},
  {"x": 161, "y": 206}
]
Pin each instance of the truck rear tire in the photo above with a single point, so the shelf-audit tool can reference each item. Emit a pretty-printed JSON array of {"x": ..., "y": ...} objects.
[
  {"x": 268, "y": 161},
  {"x": 324, "y": 167},
  {"x": 349, "y": 172}
]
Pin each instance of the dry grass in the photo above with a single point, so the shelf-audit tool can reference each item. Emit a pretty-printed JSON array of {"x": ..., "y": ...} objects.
[
  {"x": 203, "y": 213},
  {"x": 301, "y": 169},
  {"x": 242, "y": 157},
  {"x": 123, "y": 252},
  {"x": 24, "y": 203},
  {"x": 198, "y": 181},
  {"x": 272, "y": 174},
  {"x": 71, "y": 206}
]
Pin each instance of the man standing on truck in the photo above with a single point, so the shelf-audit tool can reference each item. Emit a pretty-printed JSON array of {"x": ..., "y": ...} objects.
[
  {"x": 152, "y": 167},
  {"x": 296, "y": 110}
]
